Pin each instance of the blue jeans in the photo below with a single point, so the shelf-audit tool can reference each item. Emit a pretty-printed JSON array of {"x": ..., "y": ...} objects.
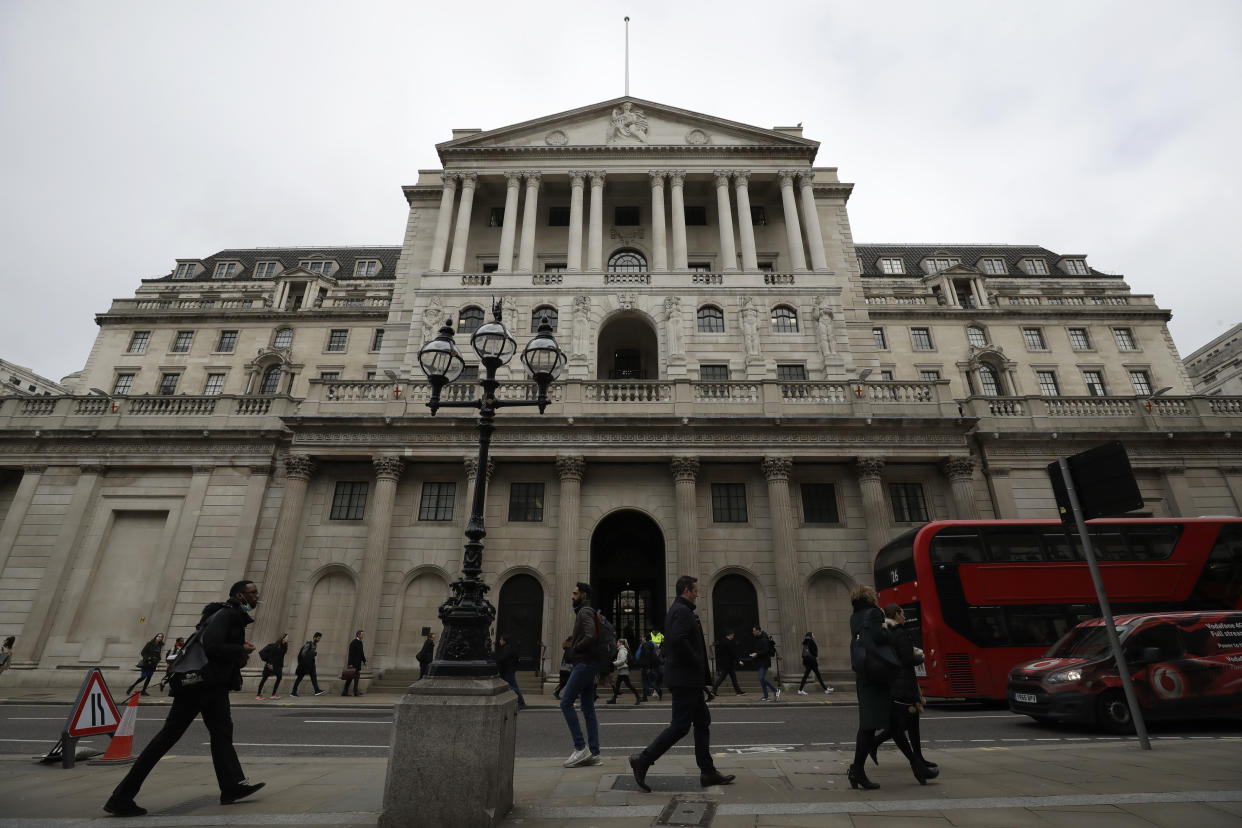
[
  {"x": 581, "y": 686},
  {"x": 764, "y": 683},
  {"x": 511, "y": 680}
]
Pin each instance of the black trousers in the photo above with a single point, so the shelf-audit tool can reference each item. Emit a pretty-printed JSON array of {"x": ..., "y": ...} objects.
[
  {"x": 357, "y": 675},
  {"x": 213, "y": 703},
  {"x": 616, "y": 688},
  {"x": 811, "y": 667},
  {"x": 727, "y": 671},
  {"x": 302, "y": 673},
  {"x": 689, "y": 710},
  {"x": 269, "y": 670}
]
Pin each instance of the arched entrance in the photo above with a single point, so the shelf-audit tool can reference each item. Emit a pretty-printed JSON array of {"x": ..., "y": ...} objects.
[
  {"x": 627, "y": 573},
  {"x": 420, "y": 607},
  {"x": 520, "y": 618},
  {"x": 828, "y": 613},
  {"x": 735, "y": 606},
  {"x": 331, "y": 612},
  {"x": 627, "y": 349}
]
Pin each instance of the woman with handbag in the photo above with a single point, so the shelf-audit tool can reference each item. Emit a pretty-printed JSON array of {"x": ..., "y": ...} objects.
[
  {"x": 148, "y": 661},
  {"x": 907, "y": 700}
]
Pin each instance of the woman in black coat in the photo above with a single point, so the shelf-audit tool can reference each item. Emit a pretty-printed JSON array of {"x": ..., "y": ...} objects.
[
  {"x": 810, "y": 664},
  {"x": 148, "y": 661},
  {"x": 907, "y": 700},
  {"x": 873, "y": 698},
  {"x": 273, "y": 657}
]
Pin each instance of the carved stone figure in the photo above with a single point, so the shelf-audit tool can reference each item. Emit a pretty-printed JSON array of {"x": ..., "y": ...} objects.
[
  {"x": 628, "y": 122},
  {"x": 582, "y": 326},
  {"x": 823, "y": 324},
  {"x": 672, "y": 316},
  {"x": 750, "y": 326},
  {"x": 433, "y": 318}
]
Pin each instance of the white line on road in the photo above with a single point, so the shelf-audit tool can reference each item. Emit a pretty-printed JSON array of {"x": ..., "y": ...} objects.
[
  {"x": 665, "y": 723},
  {"x": 981, "y": 716},
  {"x": 45, "y": 741},
  {"x": 286, "y": 745},
  {"x": 347, "y": 721}
]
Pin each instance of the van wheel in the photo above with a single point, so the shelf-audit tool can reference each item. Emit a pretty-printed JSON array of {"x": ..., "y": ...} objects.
[{"x": 1113, "y": 714}]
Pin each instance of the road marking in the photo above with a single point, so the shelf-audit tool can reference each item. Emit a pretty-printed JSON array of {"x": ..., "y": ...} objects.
[
  {"x": 980, "y": 716},
  {"x": 347, "y": 721},
  {"x": 287, "y": 745},
  {"x": 665, "y": 723},
  {"x": 45, "y": 741}
]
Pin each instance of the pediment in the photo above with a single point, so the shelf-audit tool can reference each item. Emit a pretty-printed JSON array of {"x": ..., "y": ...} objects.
[{"x": 628, "y": 122}]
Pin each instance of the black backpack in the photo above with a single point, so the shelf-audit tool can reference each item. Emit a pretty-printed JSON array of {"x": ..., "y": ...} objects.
[{"x": 606, "y": 647}]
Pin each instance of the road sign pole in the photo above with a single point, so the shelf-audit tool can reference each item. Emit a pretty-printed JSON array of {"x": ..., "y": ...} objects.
[{"x": 1113, "y": 640}]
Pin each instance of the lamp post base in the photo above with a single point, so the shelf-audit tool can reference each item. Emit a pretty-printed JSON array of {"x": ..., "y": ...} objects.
[{"x": 451, "y": 759}]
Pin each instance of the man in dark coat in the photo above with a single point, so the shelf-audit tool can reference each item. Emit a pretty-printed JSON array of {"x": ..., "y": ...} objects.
[
  {"x": 582, "y": 678},
  {"x": 727, "y": 662},
  {"x": 357, "y": 658},
  {"x": 306, "y": 665},
  {"x": 689, "y": 680},
  {"x": 763, "y": 660},
  {"x": 223, "y": 638},
  {"x": 426, "y": 655}
]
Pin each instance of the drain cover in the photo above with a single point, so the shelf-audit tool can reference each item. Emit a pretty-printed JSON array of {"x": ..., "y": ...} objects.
[{"x": 688, "y": 812}]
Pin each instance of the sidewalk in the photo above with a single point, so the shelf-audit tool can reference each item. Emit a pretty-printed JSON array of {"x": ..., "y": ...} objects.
[{"x": 1182, "y": 781}]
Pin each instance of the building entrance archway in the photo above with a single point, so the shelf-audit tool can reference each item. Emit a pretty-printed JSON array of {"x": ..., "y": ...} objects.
[
  {"x": 520, "y": 618},
  {"x": 627, "y": 573},
  {"x": 735, "y": 606},
  {"x": 628, "y": 349}
]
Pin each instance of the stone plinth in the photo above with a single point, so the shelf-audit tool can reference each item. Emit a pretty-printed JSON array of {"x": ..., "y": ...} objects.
[{"x": 451, "y": 761}]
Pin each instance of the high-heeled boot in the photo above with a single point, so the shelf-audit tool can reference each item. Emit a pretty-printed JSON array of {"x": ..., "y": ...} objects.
[
  {"x": 858, "y": 779},
  {"x": 922, "y": 772}
]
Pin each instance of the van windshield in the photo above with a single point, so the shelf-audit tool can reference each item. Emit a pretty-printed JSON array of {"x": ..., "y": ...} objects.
[{"x": 1083, "y": 642}]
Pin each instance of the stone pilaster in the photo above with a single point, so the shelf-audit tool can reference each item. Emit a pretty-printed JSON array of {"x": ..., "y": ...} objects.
[
  {"x": 379, "y": 530},
  {"x": 789, "y": 593},
  {"x": 1233, "y": 479},
  {"x": 677, "y": 181},
  {"x": 16, "y": 515},
  {"x": 1003, "y": 502},
  {"x": 745, "y": 227},
  {"x": 961, "y": 474},
  {"x": 461, "y": 233},
  {"x": 445, "y": 217},
  {"x": 530, "y": 218},
  {"x": 659, "y": 245},
  {"x": 810, "y": 222},
  {"x": 685, "y": 474},
  {"x": 876, "y": 512},
  {"x": 570, "y": 469},
  {"x": 273, "y": 618},
  {"x": 595, "y": 232},
  {"x": 793, "y": 236},
  {"x": 1178, "y": 492},
  {"x": 728, "y": 253},
  {"x": 508, "y": 228}
]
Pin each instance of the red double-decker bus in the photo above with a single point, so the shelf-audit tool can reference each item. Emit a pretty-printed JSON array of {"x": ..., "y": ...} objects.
[{"x": 980, "y": 596}]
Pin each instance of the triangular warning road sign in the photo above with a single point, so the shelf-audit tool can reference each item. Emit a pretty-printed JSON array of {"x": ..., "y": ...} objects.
[{"x": 94, "y": 712}]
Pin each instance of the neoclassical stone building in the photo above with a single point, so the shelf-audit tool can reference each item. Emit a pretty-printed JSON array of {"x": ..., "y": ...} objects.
[{"x": 750, "y": 396}]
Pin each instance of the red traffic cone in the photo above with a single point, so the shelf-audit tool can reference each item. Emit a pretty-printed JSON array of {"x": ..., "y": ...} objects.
[{"x": 121, "y": 749}]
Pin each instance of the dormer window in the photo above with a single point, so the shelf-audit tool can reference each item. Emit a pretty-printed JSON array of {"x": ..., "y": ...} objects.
[
  {"x": 366, "y": 268},
  {"x": 994, "y": 267},
  {"x": 265, "y": 270},
  {"x": 185, "y": 270},
  {"x": 939, "y": 263},
  {"x": 319, "y": 267},
  {"x": 225, "y": 270},
  {"x": 1075, "y": 267},
  {"x": 892, "y": 265},
  {"x": 1035, "y": 267}
]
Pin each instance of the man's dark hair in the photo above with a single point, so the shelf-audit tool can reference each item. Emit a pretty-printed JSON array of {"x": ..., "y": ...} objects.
[
  {"x": 728, "y": 633},
  {"x": 684, "y": 583},
  {"x": 585, "y": 589},
  {"x": 240, "y": 586},
  {"x": 358, "y": 633},
  {"x": 317, "y": 635},
  {"x": 757, "y": 627}
]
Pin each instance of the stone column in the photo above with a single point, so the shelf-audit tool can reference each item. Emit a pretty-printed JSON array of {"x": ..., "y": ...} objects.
[
  {"x": 745, "y": 226},
  {"x": 573, "y": 257},
  {"x": 530, "y": 218},
  {"x": 16, "y": 515},
  {"x": 513, "y": 183},
  {"x": 685, "y": 473},
  {"x": 273, "y": 618},
  {"x": 388, "y": 470},
  {"x": 595, "y": 234},
  {"x": 1233, "y": 480},
  {"x": 570, "y": 469},
  {"x": 797, "y": 260},
  {"x": 789, "y": 594},
  {"x": 961, "y": 474},
  {"x": 876, "y": 513},
  {"x": 659, "y": 246},
  {"x": 677, "y": 180},
  {"x": 810, "y": 222},
  {"x": 724, "y": 216},
  {"x": 461, "y": 233},
  {"x": 445, "y": 217}
]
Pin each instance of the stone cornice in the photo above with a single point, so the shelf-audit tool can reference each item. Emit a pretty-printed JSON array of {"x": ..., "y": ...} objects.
[
  {"x": 1075, "y": 313},
  {"x": 237, "y": 314},
  {"x": 604, "y": 150}
]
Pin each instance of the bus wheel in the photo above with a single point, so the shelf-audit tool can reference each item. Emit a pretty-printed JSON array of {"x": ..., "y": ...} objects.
[{"x": 1113, "y": 714}]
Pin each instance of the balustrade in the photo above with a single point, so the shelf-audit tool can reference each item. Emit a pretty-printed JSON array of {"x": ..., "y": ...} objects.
[
  {"x": 642, "y": 392},
  {"x": 726, "y": 392}
]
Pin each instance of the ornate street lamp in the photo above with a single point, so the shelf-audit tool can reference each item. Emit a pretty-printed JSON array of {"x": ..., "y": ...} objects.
[{"x": 465, "y": 648}]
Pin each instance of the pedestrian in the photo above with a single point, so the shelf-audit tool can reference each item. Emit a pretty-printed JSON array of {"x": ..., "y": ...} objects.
[
  {"x": 689, "y": 681},
  {"x": 507, "y": 664},
  {"x": 727, "y": 663},
  {"x": 273, "y": 657},
  {"x": 6, "y": 652},
  {"x": 565, "y": 668},
  {"x": 148, "y": 662},
  {"x": 810, "y": 664},
  {"x": 906, "y": 699},
  {"x": 622, "y": 667},
  {"x": 169, "y": 658},
  {"x": 356, "y": 658},
  {"x": 657, "y": 638},
  {"x": 764, "y": 650},
  {"x": 582, "y": 679},
  {"x": 222, "y": 634},
  {"x": 648, "y": 663},
  {"x": 306, "y": 665},
  {"x": 427, "y": 654}
]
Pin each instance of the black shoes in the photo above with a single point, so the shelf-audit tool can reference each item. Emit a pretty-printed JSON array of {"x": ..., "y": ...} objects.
[
  {"x": 128, "y": 808},
  {"x": 881, "y": 736},
  {"x": 715, "y": 778},
  {"x": 858, "y": 779},
  {"x": 240, "y": 792},
  {"x": 923, "y": 772},
  {"x": 639, "y": 766}
]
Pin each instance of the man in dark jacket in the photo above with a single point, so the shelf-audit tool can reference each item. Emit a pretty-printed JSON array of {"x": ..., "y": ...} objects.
[
  {"x": 426, "y": 655},
  {"x": 690, "y": 681},
  {"x": 306, "y": 665},
  {"x": 357, "y": 658},
  {"x": 763, "y": 660},
  {"x": 727, "y": 663},
  {"x": 582, "y": 678},
  {"x": 223, "y": 638},
  {"x": 506, "y": 664}
]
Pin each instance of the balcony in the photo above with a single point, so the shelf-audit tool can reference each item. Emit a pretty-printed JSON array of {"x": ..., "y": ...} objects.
[
  {"x": 440, "y": 280},
  {"x": 1063, "y": 414},
  {"x": 146, "y": 412}
]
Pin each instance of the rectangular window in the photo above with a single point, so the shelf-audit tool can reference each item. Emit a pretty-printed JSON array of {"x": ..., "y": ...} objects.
[
  {"x": 758, "y": 216},
  {"x": 1079, "y": 340},
  {"x": 921, "y": 337},
  {"x": 1036, "y": 267},
  {"x": 554, "y": 267},
  {"x": 626, "y": 216},
  {"x": 892, "y": 265},
  {"x": 469, "y": 373},
  {"x": 994, "y": 267},
  {"x": 976, "y": 337},
  {"x": 491, "y": 267},
  {"x": 366, "y": 268},
  {"x": 908, "y": 503},
  {"x": 767, "y": 267},
  {"x": 1141, "y": 381},
  {"x": 168, "y": 383},
  {"x": 1076, "y": 267},
  {"x": 265, "y": 270},
  {"x": 558, "y": 216},
  {"x": 225, "y": 270},
  {"x": 349, "y": 501},
  {"x": 377, "y": 339},
  {"x": 696, "y": 215},
  {"x": 1095, "y": 383},
  {"x": 123, "y": 383},
  {"x": 714, "y": 373},
  {"x": 1048, "y": 383},
  {"x": 819, "y": 503},
  {"x": 138, "y": 341},
  {"x": 1034, "y": 339},
  {"x": 214, "y": 386},
  {"x": 496, "y": 217},
  {"x": 699, "y": 267},
  {"x": 337, "y": 339},
  {"x": 182, "y": 341},
  {"x": 929, "y": 376},
  {"x": 526, "y": 502},
  {"x": 1125, "y": 339},
  {"x": 185, "y": 270},
  {"x": 329, "y": 376},
  {"x": 886, "y": 375},
  {"x": 436, "y": 502},
  {"x": 729, "y": 502},
  {"x": 319, "y": 267},
  {"x": 937, "y": 265},
  {"x": 791, "y": 373},
  {"x": 371, "y": 375},
  {"x": 227, "y": 343},
  {"x": 881, "y": 342}
]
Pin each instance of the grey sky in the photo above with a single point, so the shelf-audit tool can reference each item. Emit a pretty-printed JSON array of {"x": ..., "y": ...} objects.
[{"x": 139, "y": 132}]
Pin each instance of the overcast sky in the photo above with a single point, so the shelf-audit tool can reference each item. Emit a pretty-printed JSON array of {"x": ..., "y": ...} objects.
[{"x": 135, "y": 133}]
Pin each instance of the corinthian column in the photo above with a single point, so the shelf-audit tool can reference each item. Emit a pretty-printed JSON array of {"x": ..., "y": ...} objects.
[
  {"x": 875, "y": 512},
  {"x": 462, "y": 232},
  {"x": 379, "y": 529},
  {"x": 810, "y": 222},
  {"x": 659, "y": 246},
  {"x": 570, "y": 468},
  {"x": 685, "y": 473},
  {"x": 677, "y": 180},
  {"x": 530, "y": 217},
  {"x": 745, "y": 225},
  {"x": 792, "y": 235},
  {"x": 595, "y": 233},
  {"x": 573, "y": 257},
  {"x": 724, "y": 215},
  {"x": 273, "y": 619},
  {"x": 961, "y": 474},
  {"x": 789, "y": 594},
  {"x": 440, "y": 242},
  {"x": 513, "y": 183}
]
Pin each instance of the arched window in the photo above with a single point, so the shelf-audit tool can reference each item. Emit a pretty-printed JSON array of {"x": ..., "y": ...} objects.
[
  {"x": 271, "y": 380},
  {"x": 470, "y": 320},
  {"x": 976, "y": 336},
  {"x": 536, "y": 317},
  {"x": 627, "y": 261},
  {"x": 989, "y": 381},
  {"x": 283, "y": 338},
  {"x": 784, "y": 319},
  {"x": 711, "y": 319}
]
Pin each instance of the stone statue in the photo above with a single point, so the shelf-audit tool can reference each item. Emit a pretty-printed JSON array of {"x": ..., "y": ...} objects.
[
  {"x": 433, "y": 319},
  {"x": 823, "y": 324},
  {"x": 508, "y": 310},
  {"x": 672, "y": 315},
  {"x": 628, "y": 122},
  {"x": 582, "y": 326},
  {"x": 750, "y": 326}
]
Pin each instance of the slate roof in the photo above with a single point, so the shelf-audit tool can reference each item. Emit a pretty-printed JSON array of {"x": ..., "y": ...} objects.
[
  {"x": 969, "y": 255},
  {"x": 289, "y": 257}
]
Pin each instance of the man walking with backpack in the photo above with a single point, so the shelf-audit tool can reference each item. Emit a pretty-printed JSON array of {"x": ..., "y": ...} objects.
[
  {"x": 306, "y": 665},
  {"x": 583, "y": 655},
  {"x": 764, "y": 650},
  {"x": 273, "y": 658}
]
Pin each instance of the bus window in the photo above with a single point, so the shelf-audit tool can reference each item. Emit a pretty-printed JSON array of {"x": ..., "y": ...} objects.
[
  {"x": 895, "y": 562},
  {"x": 1036, "y": 626},
  {"x": 1220, "y": 585},
  {"x": 1152, "y": 543},
  {"x": 1017, "y": 544},
  {"x": 986, "y": 627},
  {"x": 957, "y": 544},
  {"x": 1108, "y": 544},
  {"x": 1058, "y": 547}
]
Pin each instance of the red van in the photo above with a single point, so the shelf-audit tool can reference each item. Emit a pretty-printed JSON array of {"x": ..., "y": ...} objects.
[{"x": 1183, "y": 664}]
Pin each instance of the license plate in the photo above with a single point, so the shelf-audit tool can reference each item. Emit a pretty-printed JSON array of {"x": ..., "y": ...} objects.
[
  {"x": 1027, "y": 698},
  {"x": 920, "y": 670}
]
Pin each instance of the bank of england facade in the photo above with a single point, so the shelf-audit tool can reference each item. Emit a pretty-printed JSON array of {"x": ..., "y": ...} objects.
[{"x": 751, "y": 397}]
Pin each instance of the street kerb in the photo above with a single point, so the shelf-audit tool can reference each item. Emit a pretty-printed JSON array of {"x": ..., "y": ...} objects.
[{"x": 121, "y": 748}]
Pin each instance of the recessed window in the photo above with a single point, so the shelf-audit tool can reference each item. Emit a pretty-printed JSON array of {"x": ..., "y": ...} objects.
[
  {"x": 699, "y": 267},
  {"x": 225, "y": 270},
  {"x": 1125, "y": 339},
  {"x": 892, "y": 265},
  {"x": 227, "y": 343},
  {"x": 470, "y": 320},
  {"x": 929, "y": 376},
  {"x": 881, "y": 342},
  {"x": 989, "y": 381},
  {"x": 377, "y": 339},
  {"x": 976, "y": 336},
  {"x": 214, "y": 385},
  {"x": 784, "y": 319},
  {"x": 168, "y": 383},
  {"x": 491, "y": 267},
  {"x": 711, "y": 319},
  {"x": 758, "y": 216},
  {"x": 729, "y": 502},
  {"x": 558, "y": 216},
  {"x": 626, "y": 216},
  {"x": 627, "y": 261},
  {"x": 935, "y": 265},
  {"x": 182, "y": 341},
  {"x": 1095, "y": 383},
  {"x": 329, "y": 376},
  {"x": 909, "y": 506},
  {"x": 696, "y": 215},
  {"x": 319, "y": 267},
  {"x": 436, "y": 502},
  {"x": 349, "y": 501},
  {"x": 371, "y": 375},
  {"x": 554, "y": 267},
  {"x": 714, "y": 373},
  {"x": 526, "y": 502},
  {"x": 283, "y": 338},
  {"x": 366, "y": 268},
  {"x": 270, "y": 384},
  {"x": 538, "y": 314},
  {"x": 496, "y": 217},
  {"x": 1141, "y": 381},
  {"x": 921, "y": 337},
  {"x": 886, "y": 375},
  {"x": 791, "y": 373},
  {"x": 767, "y": 267},
  {"x": 185, "y": 270},
  {"x": 1048, "y": 383},
  {"x": 1079, "y": 339},
  {"x": 123, "y": 383},
  {"x": 1034, "y": 339},
  {"x": 1036, "y": 267},
  {"x": 994, "y": 267},
  {"x": 469, "y": 373},
  {"x": 819, "y": 503},
  {"x": 265, "y": 270},
  {"x": 138, "y": 342},
  {"x": 1075, "y": 267},
  {"x": 337, "y": 339}
]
